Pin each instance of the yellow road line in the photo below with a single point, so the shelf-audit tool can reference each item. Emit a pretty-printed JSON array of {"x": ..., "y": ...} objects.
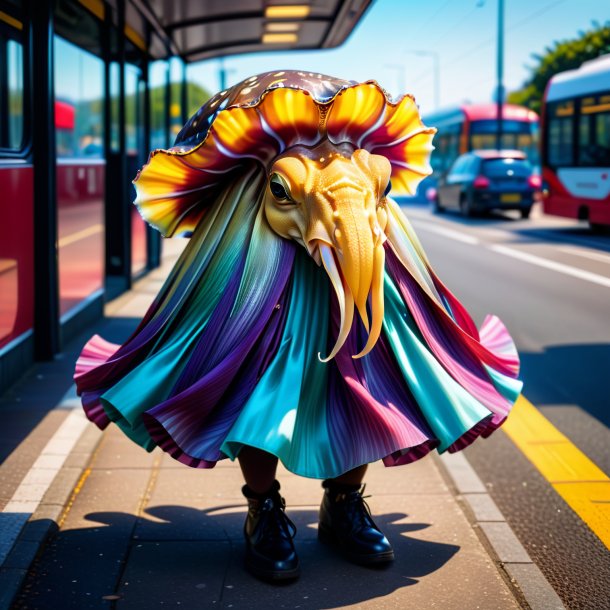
[
  {"x": 74, "y": 237},
  {"x": 580, "y": 482}
]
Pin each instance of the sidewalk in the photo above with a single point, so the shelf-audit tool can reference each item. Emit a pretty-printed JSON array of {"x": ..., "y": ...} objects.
[
  {"x": 131, "y": 530},
  {"x": 149, "y": 532}
]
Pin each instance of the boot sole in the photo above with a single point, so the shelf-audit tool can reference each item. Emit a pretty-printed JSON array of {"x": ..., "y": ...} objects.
[
  {"x": 327, "y": 537},
  {"x": 272, "y": 575}
]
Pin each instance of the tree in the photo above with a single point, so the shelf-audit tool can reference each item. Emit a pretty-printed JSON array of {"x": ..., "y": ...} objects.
[{"x": 560, "y": 56}]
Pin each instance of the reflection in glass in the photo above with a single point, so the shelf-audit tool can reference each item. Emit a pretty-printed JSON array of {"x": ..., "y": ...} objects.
[
  {"x": 158, "y": 78},
  {"x": 113, "y": 92},
  {"x": 136, "y": 154},
  {"x": 176, "y": 67},
  {"x": 15, "y": 94}
]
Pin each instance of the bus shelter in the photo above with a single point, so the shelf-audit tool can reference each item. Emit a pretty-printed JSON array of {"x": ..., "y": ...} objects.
[{"x": 87, "y": 88}]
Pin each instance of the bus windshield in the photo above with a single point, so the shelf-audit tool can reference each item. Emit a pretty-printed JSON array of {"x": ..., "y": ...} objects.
[
  {"x": 591, "y": 117},
  {"x": 516, "y": 135},
  {"x": 593, "y": 148}
]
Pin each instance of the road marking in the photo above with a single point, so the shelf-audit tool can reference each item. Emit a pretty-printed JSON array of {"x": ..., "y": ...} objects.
[
  {"x": 74, "y": 237},
  {"x": 463, "y": 237},
  {"x": 548, "y": 264},
  {"x": 38, "y": 479},
  {"x": 577, "y": 479},
  {"x": 596, "y": 256},
  {"x": 508, "y": 548}
]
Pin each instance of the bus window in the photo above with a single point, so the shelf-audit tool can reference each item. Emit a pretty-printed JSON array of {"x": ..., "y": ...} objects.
[
  {"x": 594, "y": 131},
  {"x": 560, "y": 149},
  {"x": 446, "y": 151},
  {"x": 520, "y": 135}
]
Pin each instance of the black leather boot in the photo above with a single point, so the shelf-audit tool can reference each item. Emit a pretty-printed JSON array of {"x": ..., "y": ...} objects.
[
  {"x": 346, "y": 524},
  {"x": 270, "y": 552}
]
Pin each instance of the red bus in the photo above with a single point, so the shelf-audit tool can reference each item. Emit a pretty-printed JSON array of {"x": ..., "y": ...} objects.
[
  {"x": 576, "y": 143},
  {"x": 474, "y": 126}
]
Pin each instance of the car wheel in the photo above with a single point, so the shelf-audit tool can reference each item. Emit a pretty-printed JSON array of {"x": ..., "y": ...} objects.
[
  {"x": 465, "y": 208},
  {"x": 437, "y": 208},
  {"x": 525, "y": 212}
]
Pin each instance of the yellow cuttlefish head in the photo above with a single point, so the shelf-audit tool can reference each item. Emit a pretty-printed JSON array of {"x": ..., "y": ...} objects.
[{"x": 331, "y": 200}]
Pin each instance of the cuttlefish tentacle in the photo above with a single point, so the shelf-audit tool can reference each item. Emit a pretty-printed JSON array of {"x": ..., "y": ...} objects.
[
  {"x": 344, "y": 298},
  {"x": 377, "y": 303}
]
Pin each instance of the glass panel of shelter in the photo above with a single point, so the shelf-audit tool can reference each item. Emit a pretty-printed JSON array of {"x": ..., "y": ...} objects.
[
  {"x": 136, "y": 150},
  {"x": 80, "y": 171}
]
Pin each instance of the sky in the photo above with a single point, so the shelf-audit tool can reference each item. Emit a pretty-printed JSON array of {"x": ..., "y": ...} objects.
[{"x": 461, "y": 32}]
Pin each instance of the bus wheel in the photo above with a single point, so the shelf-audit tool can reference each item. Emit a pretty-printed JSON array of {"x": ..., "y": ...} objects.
[
  {"x": 525, "y": 212},
  {"x": 465, "y": 208},
  {"x": 599, "y": 228}
]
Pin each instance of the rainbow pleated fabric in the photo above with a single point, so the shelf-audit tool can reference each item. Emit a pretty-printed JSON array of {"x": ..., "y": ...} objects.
[{"x": 227, "y": 354}]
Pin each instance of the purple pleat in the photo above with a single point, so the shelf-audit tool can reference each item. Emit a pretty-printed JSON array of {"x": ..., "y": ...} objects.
[
  {"x": 223, "y": 368},
  {"x": 94, "y": 409}
]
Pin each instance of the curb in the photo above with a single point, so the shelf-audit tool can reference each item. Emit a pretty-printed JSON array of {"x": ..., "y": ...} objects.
[
  {"x": 43, "y": 497},
  {"x": 522, "y": 574}
]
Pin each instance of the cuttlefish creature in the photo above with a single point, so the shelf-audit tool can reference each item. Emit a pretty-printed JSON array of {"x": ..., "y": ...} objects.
[{"x": 281, "y": 172}]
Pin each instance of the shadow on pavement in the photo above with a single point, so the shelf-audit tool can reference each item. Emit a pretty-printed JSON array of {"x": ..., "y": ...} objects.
[
  {"x": 569, "y": 374},
  {"x": 24, "y": 405},
  {"x": 193, "y": 558},
  {"x": 579, "y": 233},
  {"x": 491, "y": 218}
]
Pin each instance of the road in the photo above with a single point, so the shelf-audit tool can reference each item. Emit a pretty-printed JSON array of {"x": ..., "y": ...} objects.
[{"x": 548, "y": 279}]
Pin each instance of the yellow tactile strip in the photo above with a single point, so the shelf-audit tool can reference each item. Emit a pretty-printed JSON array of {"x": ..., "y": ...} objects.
[{"x": 578, "y": 480}]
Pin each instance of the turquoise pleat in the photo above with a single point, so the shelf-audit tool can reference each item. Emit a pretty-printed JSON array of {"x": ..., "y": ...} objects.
[
  {"x": 286, "y": 413},
  {"x": 448, "y": 408},
  {"x": 508, "y": 387}
]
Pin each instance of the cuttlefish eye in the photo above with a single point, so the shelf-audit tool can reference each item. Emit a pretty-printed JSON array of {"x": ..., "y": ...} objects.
[
  {"x": 387, "y": 188},
  {"x": 279, "y": 189}
]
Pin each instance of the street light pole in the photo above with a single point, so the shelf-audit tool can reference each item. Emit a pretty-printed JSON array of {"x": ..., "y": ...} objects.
[
  {"x": 222, "y": 73},
  {"x": 400, "y": 76},
  {"x": 500, "y": 72}
]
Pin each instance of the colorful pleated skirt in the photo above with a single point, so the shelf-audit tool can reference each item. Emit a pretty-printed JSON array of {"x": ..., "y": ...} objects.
[{"x": 228, "y": 355}]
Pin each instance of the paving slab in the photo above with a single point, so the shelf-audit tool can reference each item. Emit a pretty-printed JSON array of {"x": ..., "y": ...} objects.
[
  {"x": 173, "y": 574},
  {"x": 120, "y": 454}
]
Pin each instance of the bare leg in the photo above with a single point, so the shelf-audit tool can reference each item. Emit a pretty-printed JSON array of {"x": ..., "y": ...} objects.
[
  {"x": 352, "y": 477},
  {"x": 258, "y": 468}
]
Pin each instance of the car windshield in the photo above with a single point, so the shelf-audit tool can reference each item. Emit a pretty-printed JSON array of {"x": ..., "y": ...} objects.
[{"x": 498, "y": 168}]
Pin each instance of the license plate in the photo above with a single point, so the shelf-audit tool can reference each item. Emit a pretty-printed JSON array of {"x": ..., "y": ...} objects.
[{"x": 510, "y": 198}]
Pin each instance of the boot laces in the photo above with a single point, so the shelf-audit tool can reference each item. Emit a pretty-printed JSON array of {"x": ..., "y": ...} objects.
[
  {"x": 358, "y": 508},
  {"x": 274, "y": 521}
]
